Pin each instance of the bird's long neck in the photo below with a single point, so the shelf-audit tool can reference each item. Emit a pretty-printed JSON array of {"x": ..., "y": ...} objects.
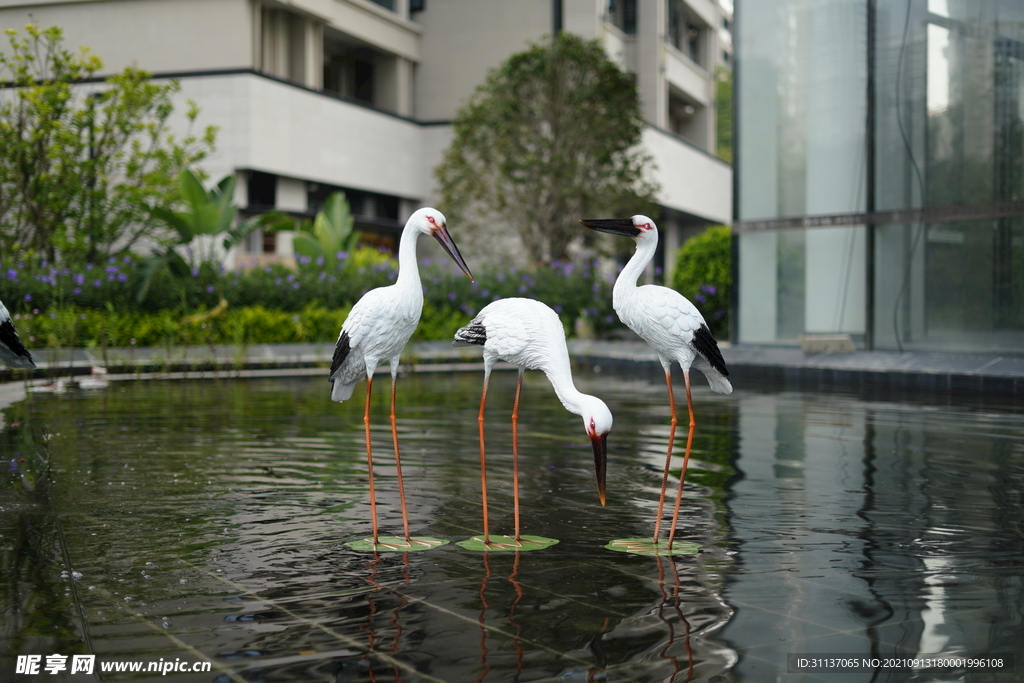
[
  {"x": 408, "y": 269},
  {"x": 625, "y": 284},
  {"x": 568, "y": 394}
]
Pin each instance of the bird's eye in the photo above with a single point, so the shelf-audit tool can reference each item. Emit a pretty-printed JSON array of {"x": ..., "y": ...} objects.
[{"x": 431, "y": 219}]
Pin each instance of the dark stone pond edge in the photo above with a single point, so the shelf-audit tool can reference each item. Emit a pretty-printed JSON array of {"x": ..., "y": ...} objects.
[{"x": 784, "y": 368}]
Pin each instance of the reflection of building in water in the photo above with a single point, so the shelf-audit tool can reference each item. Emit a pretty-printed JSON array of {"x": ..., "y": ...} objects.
[{"x": 872, "y": 529}]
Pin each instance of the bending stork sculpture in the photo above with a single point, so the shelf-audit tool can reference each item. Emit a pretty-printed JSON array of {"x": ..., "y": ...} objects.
[{"x": 528, "y": 334}]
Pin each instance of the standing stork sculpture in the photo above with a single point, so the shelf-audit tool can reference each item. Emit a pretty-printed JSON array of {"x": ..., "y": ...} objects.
[
  {"x": 677, "y": 331},
  {"x": 375, "y": 331}
]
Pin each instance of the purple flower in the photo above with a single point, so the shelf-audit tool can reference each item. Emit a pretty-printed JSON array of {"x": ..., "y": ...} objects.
[
  {"x": 209, "y": 289},
  {"x": 710, "y": 289},
  {"x": 96, "y": 283},
  {"x": 277, "y": 281},
  {"x": 79, "y": 278},
  {"x": 28, "y": 297},
  {"x": 451, "y": 296},
  {"x": 122, "y": 277},
  {"x": 127, "y": 259},
  {"x": 12, "y": 274},
  {"x": 88, "y": 266},
  {"x": 266, "y": 269},
  {"x": 53, "y": 316},
  {"x": 195, "y": 272},
  {"x": 341, "y": 255},
  {"x": 609, "y": 318},
  {"x": 320, "y": 260},
  {"x": 77, "y": 290},
  {"x": 295, "y": 285},
  {"x": 558, "y": 308},
  {"x": 485, "y": 293},
  {"x": 522, "y": 289},
  {"x": 700, "y": 298}
]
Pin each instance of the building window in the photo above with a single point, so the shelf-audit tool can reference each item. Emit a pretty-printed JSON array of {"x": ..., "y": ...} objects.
[
  {"x": 622, "y": 14},
  {"x": 349, "y": 68},
  {"x": 685, "y": 31},
  {"x": 386, "y": 4},
  {"x": 262, "y": 190},
  {"x": 283, "y": 37}
]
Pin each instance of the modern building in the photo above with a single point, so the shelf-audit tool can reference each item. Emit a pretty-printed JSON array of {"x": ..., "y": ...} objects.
[
  {"x": 312, "y": 96},
  {"x": 880, "y": 172}
]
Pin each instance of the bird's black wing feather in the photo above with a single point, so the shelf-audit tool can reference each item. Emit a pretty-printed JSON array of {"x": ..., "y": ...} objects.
[
  {"x": 341, "y": 350},
  {"x": 473, "y": 334},
  {"x": 9, "y": 338},
  {"x": 707, "y": 347}
]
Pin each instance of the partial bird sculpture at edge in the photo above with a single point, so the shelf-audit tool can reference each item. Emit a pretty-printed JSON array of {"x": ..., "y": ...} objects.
[
  {"x": 673, "y": 327},
  {"x": 376, "y": 331},
  {"x": 528, "y": 334},
  {"x": 12, "y": 351}
]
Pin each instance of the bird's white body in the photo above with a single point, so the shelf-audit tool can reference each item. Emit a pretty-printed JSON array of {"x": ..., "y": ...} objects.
[
  {"x": 666, "y": 319},
  {"x": 382, "y": 321},
  {"x": 12, "y": 351},
  {"x": 528, "y": 334}
]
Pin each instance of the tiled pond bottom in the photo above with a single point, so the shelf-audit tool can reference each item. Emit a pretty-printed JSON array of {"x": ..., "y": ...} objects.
[{"x": 206, "y": 521}]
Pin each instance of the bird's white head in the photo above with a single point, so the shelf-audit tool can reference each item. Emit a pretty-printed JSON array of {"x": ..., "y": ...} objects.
[
  {"x": 429, "y": 221},
  {"x": 597, "y": 420},
  {"x": 639, "y": 227}
]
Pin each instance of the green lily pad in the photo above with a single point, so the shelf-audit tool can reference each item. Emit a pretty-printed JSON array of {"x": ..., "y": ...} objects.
[
  {"x": 647, "y": 546},
  {"x": 397, "y": 544},
  {"x": 507, "y": 543}
]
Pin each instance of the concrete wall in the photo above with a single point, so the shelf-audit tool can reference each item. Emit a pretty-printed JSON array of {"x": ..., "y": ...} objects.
[
  {"x": 691, "y": 181},
  {"x": 278, "y": 128},
  {"x": 156, "y": 35},
  {"x": 463, "y": 40}
]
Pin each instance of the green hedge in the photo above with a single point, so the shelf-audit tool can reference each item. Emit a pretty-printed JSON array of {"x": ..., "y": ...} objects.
[{"x": 703, "y": 274}]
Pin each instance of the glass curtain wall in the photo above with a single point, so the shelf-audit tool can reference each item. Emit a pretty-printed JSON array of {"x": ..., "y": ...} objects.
[
  {"x": 947, "y": 79},
  {"x": 801, "y": 110}
]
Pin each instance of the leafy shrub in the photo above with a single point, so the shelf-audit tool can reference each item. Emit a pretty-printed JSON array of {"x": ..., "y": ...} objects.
[{"x": 703, "y": 274}]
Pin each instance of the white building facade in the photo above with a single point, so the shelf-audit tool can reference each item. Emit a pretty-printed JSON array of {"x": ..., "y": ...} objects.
[{"x": 313, "y": 96}]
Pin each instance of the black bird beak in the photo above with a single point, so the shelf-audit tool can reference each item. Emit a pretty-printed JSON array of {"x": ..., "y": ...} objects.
[
  {"x": 448, "y": 244},
  {"x": 613, "y": 226},
  {"x": 600, "y": 442}
]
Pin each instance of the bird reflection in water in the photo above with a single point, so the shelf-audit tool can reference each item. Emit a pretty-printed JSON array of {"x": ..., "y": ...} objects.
[
  {"x": 368, "y": 627},
  {"x": 672, "y": 598},
  {"x": 669, "y": 612},
  {"x": 482, "y": 620}
]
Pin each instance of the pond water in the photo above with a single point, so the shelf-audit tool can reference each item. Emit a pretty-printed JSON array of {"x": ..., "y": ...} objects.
[{"x": 206, "y": 521}]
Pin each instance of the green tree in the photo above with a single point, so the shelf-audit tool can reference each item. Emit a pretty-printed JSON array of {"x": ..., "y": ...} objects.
[
  {"x": 703, "y": 274},
  {"x": 79, "y": 165},
  {"x": 551, "y": 136},
  {"x": 723, "y": 113}
]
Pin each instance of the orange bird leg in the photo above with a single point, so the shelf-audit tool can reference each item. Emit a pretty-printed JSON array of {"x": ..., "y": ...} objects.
[
  {"x": 686, "y": 459},
  {"x": 369, "y": 459},
  {"x": 668, "y": 455},
  {"x": 398, "y": 462},
  {"x": 483, "y": 462},
  {"x": 515, "y": 455}
]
